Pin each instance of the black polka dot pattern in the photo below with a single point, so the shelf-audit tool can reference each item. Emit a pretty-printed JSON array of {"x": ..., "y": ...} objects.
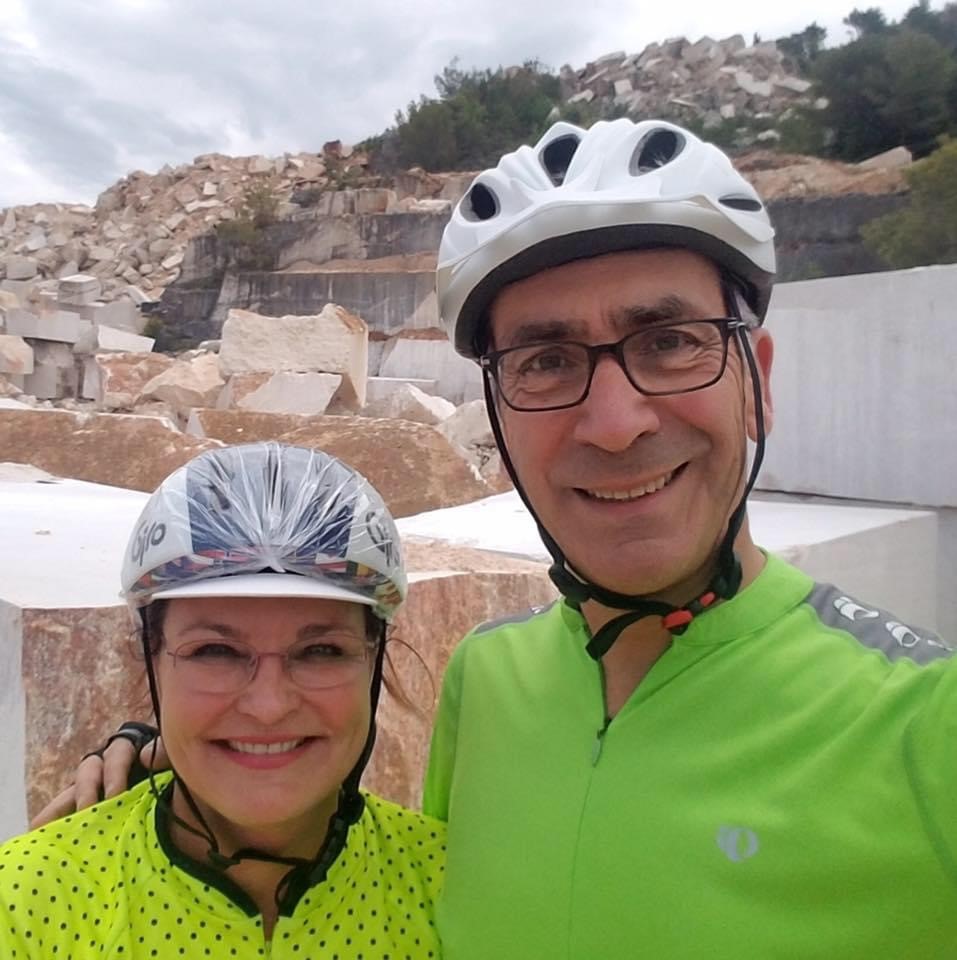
[{"x": 98, "y": 885}]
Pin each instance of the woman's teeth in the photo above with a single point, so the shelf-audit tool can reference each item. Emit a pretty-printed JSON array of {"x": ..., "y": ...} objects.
[
  {"x": 652, "y": 487},
  {"x": 284, "y": 747}
]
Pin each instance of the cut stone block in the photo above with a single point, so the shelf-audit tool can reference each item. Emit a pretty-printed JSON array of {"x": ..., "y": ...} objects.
[
  {"x": 16, "y": 355},
  {"x": 288, "y": 392},
  {"x": 431, "y": 360},
  {"x": 79, "y": 290},
  {"x": 59, "y": 325},
  {"x": 120, "y": 314},
  {"x": 888, "y": 160},
  {"x": 98, "y": 339},
  {"x": 21, "y": 289},
  {"x": 195, "y": 382},
  {"x": 20, "y": 268},
  {"x": 410, "y": 403},
  {"x": 410, "y": 464},
  {"x": 128, "y": 451},
  {"x": 381, "y": 388},
  {"x": 115, "y": 380},
  {"x": 46, "y": 381},
  {"x": 469, "y": 426},
  {"x": 333, "y": 341}
]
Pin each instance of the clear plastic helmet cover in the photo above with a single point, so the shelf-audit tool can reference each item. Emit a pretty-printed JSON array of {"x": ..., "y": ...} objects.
[{"x": 266, "y": 508}]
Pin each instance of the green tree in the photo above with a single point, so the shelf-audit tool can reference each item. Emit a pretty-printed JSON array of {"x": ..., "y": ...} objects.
[
  {"x": 866, "y": 23},
  {"x": 926, "y": 230},
  {"x": 885, "y": 89},
  {"x": 805, "y": 46}
]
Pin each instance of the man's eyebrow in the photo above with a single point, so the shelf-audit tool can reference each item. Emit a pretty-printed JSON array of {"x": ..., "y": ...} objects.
[
  {"x": 670, "y": 308},
  {"x": 539, "y": 331}
]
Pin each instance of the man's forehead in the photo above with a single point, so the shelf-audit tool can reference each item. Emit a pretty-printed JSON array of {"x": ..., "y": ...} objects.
[{"x": 616, "y": 291}]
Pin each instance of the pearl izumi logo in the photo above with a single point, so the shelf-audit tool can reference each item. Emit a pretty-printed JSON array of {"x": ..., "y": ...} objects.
[{"x": 737, "y": 843}]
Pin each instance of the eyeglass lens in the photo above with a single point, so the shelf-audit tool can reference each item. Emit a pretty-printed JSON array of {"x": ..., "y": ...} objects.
[{"x": 658, "y": 360}]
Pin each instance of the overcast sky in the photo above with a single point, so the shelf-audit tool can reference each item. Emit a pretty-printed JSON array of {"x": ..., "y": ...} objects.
[{"x": 91, "y": 89}]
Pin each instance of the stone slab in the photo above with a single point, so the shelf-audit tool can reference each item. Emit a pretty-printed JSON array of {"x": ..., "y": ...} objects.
[
  {"x": 20, "y": 268},
  {"x": 123, "y": 450},
  {"x": 290, "y": 392},
  {"x": 115, "y": 380},
  {"x": 863, "y": 385},
  {"x": 16, "y": 356},
  {"x": 332, "y": 341},
  {"x": 431, "y": 360},
  {"x": 189, "y": 382},
  {"x": 58, "y": 325},
  {"x": 79, "y": 290},
  {"x": 412, "y": 465},
  {"x": 99, "y": 338}
]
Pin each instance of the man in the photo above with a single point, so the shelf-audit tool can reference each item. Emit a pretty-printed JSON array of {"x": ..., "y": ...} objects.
[{"x": 697, "y": 751}]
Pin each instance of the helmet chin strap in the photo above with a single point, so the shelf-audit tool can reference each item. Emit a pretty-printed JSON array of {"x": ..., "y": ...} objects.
[
  {"x": 577, "y": 588},
  {"x": 304, "y": 872}
]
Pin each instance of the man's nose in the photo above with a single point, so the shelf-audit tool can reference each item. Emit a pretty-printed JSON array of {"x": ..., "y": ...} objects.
[{"x": 614, "y": 414}]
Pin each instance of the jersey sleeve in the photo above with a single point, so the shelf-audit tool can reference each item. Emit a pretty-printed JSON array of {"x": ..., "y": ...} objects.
[
  {"x": 440, "y": 770},
  {"x": 931, "y": 758},
  {"x": 39, "y": 884}
]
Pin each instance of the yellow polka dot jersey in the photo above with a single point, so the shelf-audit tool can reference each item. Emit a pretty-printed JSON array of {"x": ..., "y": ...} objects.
[{"x": 108, "y": 883}]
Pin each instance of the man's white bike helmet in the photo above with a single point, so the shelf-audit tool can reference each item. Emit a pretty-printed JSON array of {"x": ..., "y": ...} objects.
[{"x": 580, "y": 193}]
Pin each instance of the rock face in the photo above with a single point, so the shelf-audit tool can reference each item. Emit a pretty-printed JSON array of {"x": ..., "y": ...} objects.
[
  {"x": 136, "y": 453},
  {"x": 411, "y": 465},
  {"x": 332, "y": 341}
]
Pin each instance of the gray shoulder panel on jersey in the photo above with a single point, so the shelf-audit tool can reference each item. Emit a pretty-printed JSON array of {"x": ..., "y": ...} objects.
[
  {"x": 875, "y": 628},
  {"x": 513, "y": 618}
]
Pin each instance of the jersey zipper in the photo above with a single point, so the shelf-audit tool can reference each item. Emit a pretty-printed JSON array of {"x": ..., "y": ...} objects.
[{"x": 600, "y": 735}]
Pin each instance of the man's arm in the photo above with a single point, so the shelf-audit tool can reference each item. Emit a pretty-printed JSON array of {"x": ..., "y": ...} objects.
[
  {"x": 439, "y": 773},
  {"x": 118, "y": 765}
]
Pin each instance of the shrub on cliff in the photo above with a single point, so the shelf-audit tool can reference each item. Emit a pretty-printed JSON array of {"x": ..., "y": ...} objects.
[
  {"x": 926, "y": 230},
  {"x": 244, "y": 237}
]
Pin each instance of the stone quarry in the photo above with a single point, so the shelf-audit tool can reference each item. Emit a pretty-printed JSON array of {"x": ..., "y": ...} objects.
[{"x": 327, "y": 337}]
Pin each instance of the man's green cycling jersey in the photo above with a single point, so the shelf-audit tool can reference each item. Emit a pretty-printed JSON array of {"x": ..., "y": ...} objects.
[
  {"x": 782, "y": 783},
  {"x": 106, "y": 882}
]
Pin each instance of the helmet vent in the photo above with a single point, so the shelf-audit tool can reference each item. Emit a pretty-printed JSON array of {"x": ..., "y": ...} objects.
[
  {"x": 656, "y": 150},
  {"x": 741, "y": 203},
  {"x": 557, "y": 156},
  {"x": 480, "y": 203}
]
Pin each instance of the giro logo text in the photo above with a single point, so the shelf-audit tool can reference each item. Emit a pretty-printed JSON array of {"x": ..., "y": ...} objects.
[{"x": 148, "y": 535}]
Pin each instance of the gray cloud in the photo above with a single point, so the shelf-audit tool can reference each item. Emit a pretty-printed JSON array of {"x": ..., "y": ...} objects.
[{"x": 91, "y": 88}]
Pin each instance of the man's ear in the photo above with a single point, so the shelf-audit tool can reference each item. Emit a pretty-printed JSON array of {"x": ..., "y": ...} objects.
[{"x": 762, "y": 346}]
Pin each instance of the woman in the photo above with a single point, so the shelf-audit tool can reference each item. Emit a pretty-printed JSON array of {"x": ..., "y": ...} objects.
[{"x": 262, "y": 578}]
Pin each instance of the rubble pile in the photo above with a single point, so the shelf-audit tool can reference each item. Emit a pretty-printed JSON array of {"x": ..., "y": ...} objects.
[
  {"x": 50, "y": 338},
  {"x": 714, "y": 81},
  {"x": 137, "y": 232}
]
